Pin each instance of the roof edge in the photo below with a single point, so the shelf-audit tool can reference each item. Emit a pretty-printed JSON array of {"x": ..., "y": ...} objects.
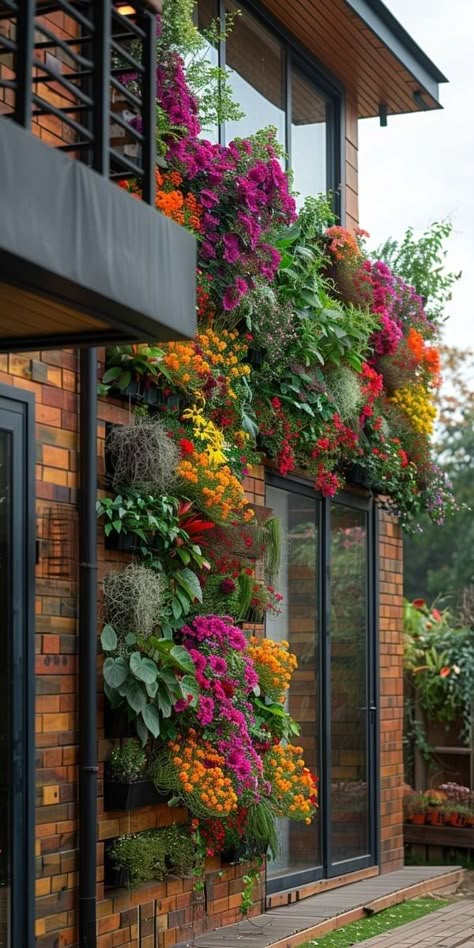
[{"x": 395, "y": 37}]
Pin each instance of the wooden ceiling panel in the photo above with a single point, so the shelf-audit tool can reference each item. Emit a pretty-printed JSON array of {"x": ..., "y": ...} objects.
[{"x": 349, "y": 49}]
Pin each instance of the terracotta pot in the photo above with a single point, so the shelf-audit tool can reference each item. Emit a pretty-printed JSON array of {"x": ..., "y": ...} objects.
[
  {"x": 418, "y": 819},
  {"x": 435, "y": 816},
  {"x": 456, "y": 819}
]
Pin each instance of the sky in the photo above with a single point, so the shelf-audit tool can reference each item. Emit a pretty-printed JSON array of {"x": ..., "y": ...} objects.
[{"x": 420, "y": 168}]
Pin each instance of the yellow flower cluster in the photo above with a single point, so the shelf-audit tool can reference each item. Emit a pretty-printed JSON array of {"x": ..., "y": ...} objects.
[
  {"x": 294, "y": 789},
  {"x": 200, "y": 772},
  {"x": 217, "y": 490},
  {"x": 274, "y": 665},
  {"x": 415, "y": 402},
  {"x": 206, "y": 431}
]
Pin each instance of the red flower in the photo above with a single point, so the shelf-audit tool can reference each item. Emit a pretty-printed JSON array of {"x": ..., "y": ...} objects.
[
  {"x": 186, "y": 446},
  {"x": 436, "y": 615},
  {"x": 445, "y": 672},
  {"x": 419, "y": 603}
]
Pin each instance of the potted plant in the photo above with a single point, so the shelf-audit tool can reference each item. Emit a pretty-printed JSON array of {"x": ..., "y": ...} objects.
[
  {"x": 141, "y": 455},
  {"x": 149, "y": 856},
  {"x": 126, "y": 786},
  {"x": 415, "y": 807},
  {"x": 133, "y": 372},
  {"x": 435, "y": 800},
  {"x": 455, "y": 815}
]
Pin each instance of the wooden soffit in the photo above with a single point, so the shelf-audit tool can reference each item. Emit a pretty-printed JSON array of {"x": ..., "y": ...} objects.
[{"x": 362, "y": 44}]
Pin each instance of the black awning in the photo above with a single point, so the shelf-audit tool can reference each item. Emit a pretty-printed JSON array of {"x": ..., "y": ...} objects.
[{"x": 113, "y": 268}]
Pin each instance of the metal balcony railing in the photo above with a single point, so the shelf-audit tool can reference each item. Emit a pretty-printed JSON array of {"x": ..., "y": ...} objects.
[{"x": 81, "y": 74}]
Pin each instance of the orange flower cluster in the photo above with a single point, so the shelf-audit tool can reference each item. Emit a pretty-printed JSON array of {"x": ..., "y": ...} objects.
[
  {"x": 342, "y": 244},
  {"x": 426, "y": 356},
  {"x": 274, "y": 665},
  {"x": 185, "y": 367},
  {"x": 200, "y": 772},
  {"x": 294, "y": 789},
  {"x": 219, "y": 493},
  {"x": 171, "y": 201}
]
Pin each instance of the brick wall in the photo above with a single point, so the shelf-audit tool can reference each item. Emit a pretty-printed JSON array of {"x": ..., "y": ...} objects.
[{"x": 391, "y": 692}]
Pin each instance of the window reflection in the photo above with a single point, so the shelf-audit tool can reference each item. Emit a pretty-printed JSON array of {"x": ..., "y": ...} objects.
[
  {"x": 298, "y": 623},
  {"x": 256, "y": 61},
  {"x": 308, "y": 136},
  {"x": 349, "y": 684}
]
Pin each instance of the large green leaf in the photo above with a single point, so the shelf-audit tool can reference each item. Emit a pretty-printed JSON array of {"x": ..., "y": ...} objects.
[
  {"x": 190, "y": 583},
  {"x": 135, "y": 696},
  {"x": 152, "y": 719},
  {"x": 116, "y": 671},
  {"x": 108, "y": 638},
  {"x": 143, "y": 668},
  {"x": 182, "y": 659}
]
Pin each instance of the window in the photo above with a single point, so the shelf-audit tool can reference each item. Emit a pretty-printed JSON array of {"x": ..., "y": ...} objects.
[
  {"x": 328, "y": 618},
  {"x": 276, "y": 85}
]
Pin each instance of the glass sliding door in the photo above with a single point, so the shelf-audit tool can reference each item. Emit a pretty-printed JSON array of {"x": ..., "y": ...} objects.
[
  {"x": 351, "y": 699},
  {"x": 328, "y": 620},
  {"x": 298, "y": 623},
  {"x": 16, "y": 678}
]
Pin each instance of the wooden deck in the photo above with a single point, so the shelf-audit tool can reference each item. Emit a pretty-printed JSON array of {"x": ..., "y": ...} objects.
[{"x": 292, "y": 925}]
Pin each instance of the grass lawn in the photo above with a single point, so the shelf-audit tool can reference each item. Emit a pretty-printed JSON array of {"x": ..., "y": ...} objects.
[{"x": 377, "y": 924}]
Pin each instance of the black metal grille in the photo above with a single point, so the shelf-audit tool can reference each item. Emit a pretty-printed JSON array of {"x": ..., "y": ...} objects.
[{"x": 81, "y": 75}]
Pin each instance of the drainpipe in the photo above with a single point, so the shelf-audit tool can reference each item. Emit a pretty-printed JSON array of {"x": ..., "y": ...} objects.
[{"x": 87, "y": 648}]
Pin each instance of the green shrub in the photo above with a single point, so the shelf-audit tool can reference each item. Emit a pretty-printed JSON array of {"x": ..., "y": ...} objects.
[{"x": 154, "y": 854}]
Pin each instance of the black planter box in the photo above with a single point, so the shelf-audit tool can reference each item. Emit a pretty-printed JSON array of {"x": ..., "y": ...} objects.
[
  {"x": 123, "y": 542},
  {"x": 129, "y": 796},
  {"x": 238, "y": 854},
  {"x": 358, "y": 476},
  {"x": 117, "y": 723},
  {"x": 115, "y": 877},
  {"x": 138, "y": 392}
]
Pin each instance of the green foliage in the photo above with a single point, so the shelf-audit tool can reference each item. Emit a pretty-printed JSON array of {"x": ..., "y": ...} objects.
[
  {"x": 154, "y": 854},
  {"x": 209, "y": 83},
  {"x": 167, "y": 547},
  {"x": 344, "y": 387},
  {"x": 439, "y": 660},
  {"x": 260, "y": 829},
  {"x": 130, "y": 363},
  {"x": 271, "y": 717},
  {"x": 421, "y": 261},
  {"x": 128, "y": 762},
  {"x": 147, "y": 677},
  {"x": 250, "y": 880}
]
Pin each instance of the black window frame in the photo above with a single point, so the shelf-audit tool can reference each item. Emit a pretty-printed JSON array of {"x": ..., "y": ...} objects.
[
  {"x": 295, "y": 54},
  {"x": 20, "y": 403},
  {"x": 329, "y": 868}
]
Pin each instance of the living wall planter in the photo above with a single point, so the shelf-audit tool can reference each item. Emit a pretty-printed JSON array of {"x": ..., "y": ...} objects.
[
  {"x": 238, "y": 854},
  {"x": 117, "y": 723},
  {"x": 119, "y": 795},
  {"x": 146, "y": 393},
  {"x": 123, "y": 542}
]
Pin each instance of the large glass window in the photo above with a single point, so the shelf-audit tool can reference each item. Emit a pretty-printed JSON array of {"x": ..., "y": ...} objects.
[
  {"x": 256, "y": 60},
  {"x": 275, "y": 85},
  {"x": 308, "y": 135},
  {"x": 327, "y": 618}
]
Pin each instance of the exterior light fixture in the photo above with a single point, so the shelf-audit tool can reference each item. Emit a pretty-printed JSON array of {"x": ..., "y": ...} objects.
[{"x": 383, "y": 115}]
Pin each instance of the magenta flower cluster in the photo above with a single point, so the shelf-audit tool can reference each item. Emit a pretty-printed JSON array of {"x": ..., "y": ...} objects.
[
  {"x": 225, "y": 676},
  {"x": 397, "y": 303},
  {"x": 241, "y": 187}
]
